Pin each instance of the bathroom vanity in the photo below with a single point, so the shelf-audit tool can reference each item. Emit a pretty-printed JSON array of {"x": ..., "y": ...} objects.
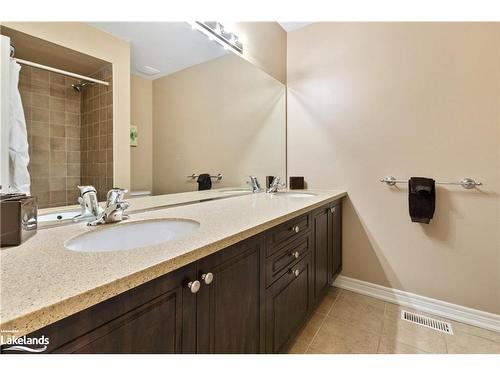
[{"x": 249, "y": 289}]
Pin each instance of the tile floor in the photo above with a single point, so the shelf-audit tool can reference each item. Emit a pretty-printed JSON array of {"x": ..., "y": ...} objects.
[{"x": 347, "y": 322}]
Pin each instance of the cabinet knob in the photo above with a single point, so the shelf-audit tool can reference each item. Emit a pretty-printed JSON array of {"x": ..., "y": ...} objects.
[
  {"x": 332, "y": 210},
  {"x": 208, "y": 278},
  {"x": 296, "y": 273},
  {"x": 296, "y": 229},
  {"x": 296, "y": 254},
  {"x": 194, "y": 286}
]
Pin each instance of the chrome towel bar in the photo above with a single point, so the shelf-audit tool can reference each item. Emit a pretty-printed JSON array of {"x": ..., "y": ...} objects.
[
  {"x": 194, "y": 176},
  {"x": 466, "y": 183}
]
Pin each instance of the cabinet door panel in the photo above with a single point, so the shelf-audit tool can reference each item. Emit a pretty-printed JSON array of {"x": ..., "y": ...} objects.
[
  {"x": 321, "y": 253},
  {"x": 229, "y": 309},
  {"x": 336, "y": 241},
  {"x": 150, "y": 329},
  {"x": 156, "y": 317},
  {"x": 288, "y": 302}
]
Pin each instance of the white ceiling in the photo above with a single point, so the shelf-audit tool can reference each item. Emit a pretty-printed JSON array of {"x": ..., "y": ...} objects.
[
  {"x": 166, "y": 46},
  {"x": 290, "y": 26}
]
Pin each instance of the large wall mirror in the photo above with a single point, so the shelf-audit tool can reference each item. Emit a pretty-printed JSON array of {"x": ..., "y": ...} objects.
[{"x": 198, "y": 108}]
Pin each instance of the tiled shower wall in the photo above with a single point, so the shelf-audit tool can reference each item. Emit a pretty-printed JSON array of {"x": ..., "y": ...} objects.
[
  {"x": 97, "y": 134},
  {"x": 52, "y": 111}
]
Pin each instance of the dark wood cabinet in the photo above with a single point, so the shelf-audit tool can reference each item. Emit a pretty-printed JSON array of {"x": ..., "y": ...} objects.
[
  {"x": 154, "y": 327},
  {"x": 335, "y": 236},
  {"x": 229, "y": 317},
  {"x": 288, "y": 302},
  {"x": 253, "y": 297},
  {"x": 156, "y": 317},
  {"x": 321, "y": 250},
  {"x": 327, "y": 246}
]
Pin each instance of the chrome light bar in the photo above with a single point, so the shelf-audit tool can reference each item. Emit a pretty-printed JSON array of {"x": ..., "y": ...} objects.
[{"x": 217, "y": 31}]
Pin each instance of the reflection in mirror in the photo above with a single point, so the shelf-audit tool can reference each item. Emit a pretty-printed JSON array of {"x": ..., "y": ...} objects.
[
  {"x": 69, "y": 121},
  {"x": 197, "y": 108}
]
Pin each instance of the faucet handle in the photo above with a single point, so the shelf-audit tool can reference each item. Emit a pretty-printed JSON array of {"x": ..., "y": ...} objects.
[
  {"x": 115, "y": 195},
  {"x": 276, "y": 181},
  {"x": 85, "y": 189},
  {"x": 254, "y": 183}
]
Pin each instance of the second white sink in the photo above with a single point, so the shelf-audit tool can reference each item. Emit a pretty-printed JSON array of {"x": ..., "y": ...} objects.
[{"x": 132, "y": 235}]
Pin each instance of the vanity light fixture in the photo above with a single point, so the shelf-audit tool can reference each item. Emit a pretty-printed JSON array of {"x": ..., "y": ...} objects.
[{"x": 215, "y": 31}]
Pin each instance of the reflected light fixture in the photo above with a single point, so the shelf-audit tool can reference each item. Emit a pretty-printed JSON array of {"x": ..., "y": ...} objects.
[{"x": 215, "y": 31}]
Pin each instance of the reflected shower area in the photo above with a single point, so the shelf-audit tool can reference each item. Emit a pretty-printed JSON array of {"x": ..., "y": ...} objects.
[{"x": 67, "y": 100}]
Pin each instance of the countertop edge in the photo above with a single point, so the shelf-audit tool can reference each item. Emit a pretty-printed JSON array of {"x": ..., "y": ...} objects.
[{"x": 47, "y": 315}]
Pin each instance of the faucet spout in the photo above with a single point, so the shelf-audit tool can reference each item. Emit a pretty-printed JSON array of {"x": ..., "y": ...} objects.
[
  {"x": 114, "y": 210},
  {"x": 88, "y": 203}
]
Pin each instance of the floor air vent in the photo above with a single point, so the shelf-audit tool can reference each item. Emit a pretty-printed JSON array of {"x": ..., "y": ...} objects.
[{"x": 425, "y": 321}]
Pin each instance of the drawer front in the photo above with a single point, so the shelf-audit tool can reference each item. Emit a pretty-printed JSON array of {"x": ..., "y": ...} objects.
[
  {"x": 282, "y": 259},
  {"x": 286, "y": 232}
]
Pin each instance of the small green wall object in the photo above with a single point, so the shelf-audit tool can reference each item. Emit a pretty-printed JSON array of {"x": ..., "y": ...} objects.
[{"x": 134, "y": 136}]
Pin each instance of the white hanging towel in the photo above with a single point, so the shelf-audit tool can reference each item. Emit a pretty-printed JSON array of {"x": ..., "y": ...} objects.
[{"x": 18, "y": 138}]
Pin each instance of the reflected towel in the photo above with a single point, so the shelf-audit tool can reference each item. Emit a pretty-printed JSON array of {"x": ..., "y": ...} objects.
[
  {"x": 204, "y": 182},
  {"x": 19, "y": 177}
]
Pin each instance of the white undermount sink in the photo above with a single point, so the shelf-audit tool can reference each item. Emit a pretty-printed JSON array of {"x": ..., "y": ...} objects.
[
  {"x": 132, "y": 235},
  {"x": 295, "y": 194}
]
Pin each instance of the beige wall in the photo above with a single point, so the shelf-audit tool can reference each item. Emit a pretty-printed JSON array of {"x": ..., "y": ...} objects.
[
  {"x": 366, "y": 100},
  {"x": 86, "y": 39},
  {"x": 223, "y": 116},
  {"x": 264, "y": 46},
  {"x": 141, "y": 113}
]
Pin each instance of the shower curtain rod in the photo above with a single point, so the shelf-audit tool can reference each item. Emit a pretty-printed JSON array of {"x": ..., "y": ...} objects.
[{"x": 63, "y": 72}]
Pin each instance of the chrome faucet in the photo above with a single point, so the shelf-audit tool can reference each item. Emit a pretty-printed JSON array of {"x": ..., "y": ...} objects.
[
  {"x": 115, "y": 207},
  {"x": 254, "y": 184},
  {"x": 88, "y": 203},
  {"x": 275, "y": 185}
]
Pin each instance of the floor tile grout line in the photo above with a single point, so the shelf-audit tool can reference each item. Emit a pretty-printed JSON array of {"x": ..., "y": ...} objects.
[
  {"x": 445, "y": 344},
  {"x": 323, "y": 322},
  {"x": 382, "y": 329}
]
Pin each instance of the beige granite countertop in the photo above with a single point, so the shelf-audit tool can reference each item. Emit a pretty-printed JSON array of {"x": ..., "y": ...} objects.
[{"x": 42, "y": 282}]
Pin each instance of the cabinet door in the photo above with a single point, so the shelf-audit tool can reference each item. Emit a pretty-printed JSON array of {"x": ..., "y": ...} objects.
[
  {"x": 288, "y": 302},
  {"x": 335, "y": 236},
  {"x": 321, "y": 250},
  {"x": 229, "y": 313},
  {"x": 157, "y": 317}
]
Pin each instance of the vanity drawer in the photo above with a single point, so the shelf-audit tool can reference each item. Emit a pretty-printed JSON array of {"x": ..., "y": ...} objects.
[
  {"x": 281, "y": 261},
  {"x": 286, "y": 232}
]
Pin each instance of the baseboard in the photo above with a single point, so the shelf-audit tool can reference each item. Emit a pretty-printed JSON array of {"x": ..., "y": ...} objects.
[{"x": 443, "y": 309}]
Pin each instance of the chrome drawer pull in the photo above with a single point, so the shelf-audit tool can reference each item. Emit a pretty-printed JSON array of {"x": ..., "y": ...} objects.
[
  {"x": 295, "y": 254},
  {"x": 296, "y": 273},
  {"x": 332, "y": 210},
  {"x": 296, "y": 229},
  {"x": 194, "y": 286}
]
